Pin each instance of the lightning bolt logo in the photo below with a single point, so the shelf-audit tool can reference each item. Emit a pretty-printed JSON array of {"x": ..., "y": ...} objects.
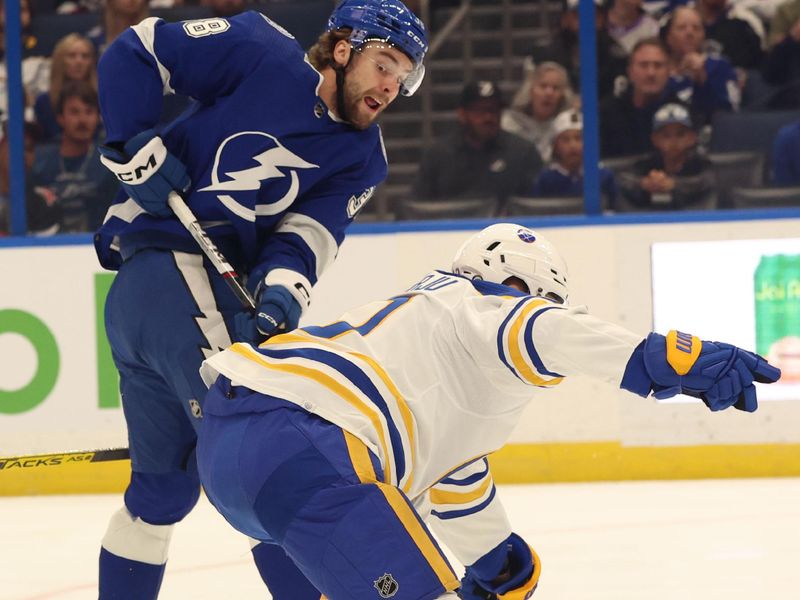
[{"x": 269, "y": 165}]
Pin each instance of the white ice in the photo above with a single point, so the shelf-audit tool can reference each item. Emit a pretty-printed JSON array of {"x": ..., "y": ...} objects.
[{"x": 685, "y": 540}]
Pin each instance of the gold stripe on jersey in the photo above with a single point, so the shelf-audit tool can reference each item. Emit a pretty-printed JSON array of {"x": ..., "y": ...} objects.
[
  {"x": 420, "y": 535},
  {"x": 443, "y": 497},
  {"x": 523, "y": 369},
  {"x": 329, "y": 382},
  {"x": 359, "y": 456},
  {"x": 405, "y": 412}
]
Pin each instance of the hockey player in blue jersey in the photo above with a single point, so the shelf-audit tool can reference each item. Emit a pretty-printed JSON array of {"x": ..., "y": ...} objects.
[
  {"x": 276, "y": 156},
  {"x": 343, "y": 443}
]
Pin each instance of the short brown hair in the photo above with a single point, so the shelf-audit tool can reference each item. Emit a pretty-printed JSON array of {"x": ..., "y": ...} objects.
[
  {"x": 77, "y": 89},
  {"x": 320, "y": 55},
  {"x": 652, "y": 41}
]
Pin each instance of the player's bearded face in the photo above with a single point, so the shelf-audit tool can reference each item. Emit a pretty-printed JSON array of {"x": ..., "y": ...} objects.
[{"x": 373, "y": 82}]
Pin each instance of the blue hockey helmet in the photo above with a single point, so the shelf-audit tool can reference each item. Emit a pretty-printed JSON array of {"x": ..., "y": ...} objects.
[{"x": 391, "y": 22}]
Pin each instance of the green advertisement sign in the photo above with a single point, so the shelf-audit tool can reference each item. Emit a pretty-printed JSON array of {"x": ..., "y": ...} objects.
[{"x": 48, "y": 356}]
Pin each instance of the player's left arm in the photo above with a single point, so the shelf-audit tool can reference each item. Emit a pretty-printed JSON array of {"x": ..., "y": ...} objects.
[
  {"x": 720, "y": 374},
  {"x": 467, "y": 515},
  {"x": 302, "y": 246}
]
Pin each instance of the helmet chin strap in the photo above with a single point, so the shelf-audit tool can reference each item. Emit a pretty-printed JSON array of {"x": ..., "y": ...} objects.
[{"x": 341, "y": 107}]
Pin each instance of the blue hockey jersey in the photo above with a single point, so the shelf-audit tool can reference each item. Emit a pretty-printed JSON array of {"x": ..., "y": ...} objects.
[{"x": 276, "y": 176}]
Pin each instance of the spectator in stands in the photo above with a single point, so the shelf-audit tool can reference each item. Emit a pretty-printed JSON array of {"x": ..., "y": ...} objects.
[
  {"x": 118, "y": 15},
  {"x": 31, "y": 135},
  {"x": 564, "y": 49},
  {"x": 628, "y": 23},
  {"x": 675, "y": 176},
  {"x": 703, "y": 80},
  {"x": 782, "y": 62},
  {"x": 564, "y": 175},
  {"x": 35, "y": 66},
  {"x": 786, "y": 155},
  {"x": 479, "y": 160},
  {"x": 739, "y": 32},
  {"x": 82, "y": 187},
  {"x": 545, "y": 93},
  {"x": 626, "y": 118},
  {"x": 74, "y": 59}
]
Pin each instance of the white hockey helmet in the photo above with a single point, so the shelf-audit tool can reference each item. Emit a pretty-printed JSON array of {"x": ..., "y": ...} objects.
[{"x": 507, "y": 250}]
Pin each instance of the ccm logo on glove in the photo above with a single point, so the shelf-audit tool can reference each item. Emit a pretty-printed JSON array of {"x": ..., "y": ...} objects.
[{"x": 141, "y": 165}]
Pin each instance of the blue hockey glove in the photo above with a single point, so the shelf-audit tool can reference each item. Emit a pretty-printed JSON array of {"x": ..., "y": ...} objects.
[
  {"x": 147, "y": 171},
  {"x": 277, "y": 311},
  {"x": 509, "y": 571},
  {"x": 721, "y": 375}
]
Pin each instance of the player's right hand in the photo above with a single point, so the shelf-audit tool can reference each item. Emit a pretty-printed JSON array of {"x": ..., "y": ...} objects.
[
  {"x": 147, "y": 171},
  {"x": 277, "y": 311}
]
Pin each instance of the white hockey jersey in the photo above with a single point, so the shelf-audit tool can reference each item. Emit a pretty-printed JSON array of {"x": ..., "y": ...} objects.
[{"x": 433, "y": 381}]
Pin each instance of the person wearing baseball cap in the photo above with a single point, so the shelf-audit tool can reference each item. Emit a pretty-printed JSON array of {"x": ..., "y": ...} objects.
[
  {"x": 675, "y": 176},
  {"x": 479, "y": 159},
  {"x": 564, "y": 175}
]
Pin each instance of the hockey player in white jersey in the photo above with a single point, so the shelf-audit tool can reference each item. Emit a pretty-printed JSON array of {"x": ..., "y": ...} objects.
[
  {"x": 343, "y": 443},
  {"x": 276, "y": 156}
]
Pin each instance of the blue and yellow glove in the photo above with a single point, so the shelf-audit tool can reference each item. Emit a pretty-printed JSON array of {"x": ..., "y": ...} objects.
[
  {"x": 276, "y": 311},
  {"x": 720, "y": 374},
  {"x": 147, "y": 171},
  {"x": 508, "y": 572}
]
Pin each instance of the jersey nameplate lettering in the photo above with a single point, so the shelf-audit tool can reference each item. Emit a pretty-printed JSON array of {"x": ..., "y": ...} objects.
[
  {"x": 204, "y": 27},
  {"x": 432, "y": 282}
]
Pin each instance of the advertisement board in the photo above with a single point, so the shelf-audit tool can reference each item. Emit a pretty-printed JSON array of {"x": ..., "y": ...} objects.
[{"x": 746, "y": 292}]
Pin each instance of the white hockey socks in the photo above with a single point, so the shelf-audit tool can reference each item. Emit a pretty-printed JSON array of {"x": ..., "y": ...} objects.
[
  {"x": 133, "y": 557},
  {"x": 130, "y": 537}
]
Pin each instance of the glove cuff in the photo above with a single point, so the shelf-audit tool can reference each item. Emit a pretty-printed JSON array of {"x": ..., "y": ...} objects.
[
  {"x": 298, "y": 285},
  {"x": 636, "y": 379},
  {"x": 516, "y": 557},
  {"x": 141, "y": 166}
]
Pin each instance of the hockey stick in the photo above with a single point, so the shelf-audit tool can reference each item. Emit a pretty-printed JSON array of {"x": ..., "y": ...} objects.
[
  {"x": 62, "y": 458},
  {"x": 223, "y": 267},
  {"x": 221, "y": 264}
]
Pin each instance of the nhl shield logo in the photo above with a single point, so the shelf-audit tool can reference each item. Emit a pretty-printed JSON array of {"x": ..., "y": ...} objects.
[{"x": 386, "y": 585}]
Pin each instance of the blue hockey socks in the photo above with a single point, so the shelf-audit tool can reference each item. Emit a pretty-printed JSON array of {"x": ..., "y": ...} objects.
[{"x": 284, "y": 580}]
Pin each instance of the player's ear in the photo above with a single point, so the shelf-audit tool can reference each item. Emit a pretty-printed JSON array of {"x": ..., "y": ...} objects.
[{"x": 341, "y": 52}]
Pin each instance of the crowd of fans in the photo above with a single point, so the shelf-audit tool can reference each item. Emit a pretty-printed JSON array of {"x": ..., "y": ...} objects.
[
  {"x": 665, "y": 69},
  {"x": 67, "y": 188}
]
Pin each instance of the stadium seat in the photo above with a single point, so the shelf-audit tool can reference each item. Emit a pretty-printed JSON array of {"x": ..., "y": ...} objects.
[
  {"x": 753, "y": 131},
  {"x": 551, "y": 205},
  {"x": 623, "y": 205},
  {"x": 450, "y": 208},
  {"x": 748, "y": 132},
  {"x": 618, "y": 164},
  {"x": 736, "y": 170},
  {"x": 766, "y": 197}
]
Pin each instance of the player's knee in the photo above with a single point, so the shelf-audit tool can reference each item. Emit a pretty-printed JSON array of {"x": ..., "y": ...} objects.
[{"x": 162, "y": 498}]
